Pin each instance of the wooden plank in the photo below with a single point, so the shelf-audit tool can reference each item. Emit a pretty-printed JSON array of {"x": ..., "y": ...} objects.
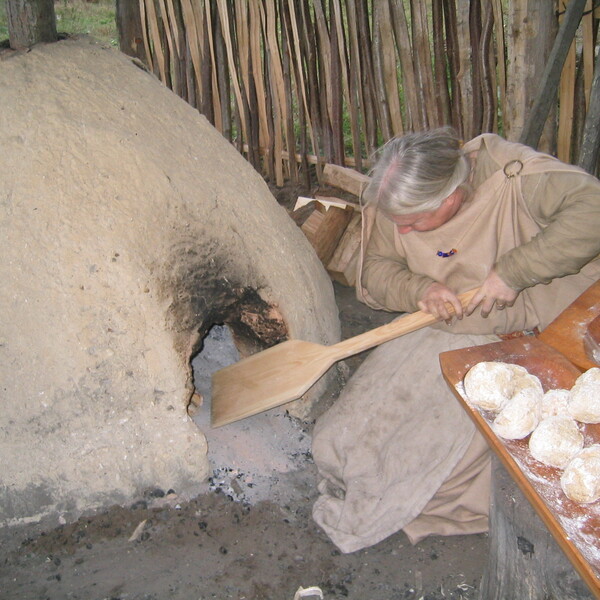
[
  {"x": 287, "y": 66},
  {"x": 377, "y": 55},
  {"x": 348, "y": 87},
  {"x": 277, "y": 88},
  {"x": 337, "y": 90},
  {"x": 440, "y": 54},
  {"x": 175, "y": 28},
  {"x": 390, "y": 69},
  {"x": 346, "y": 179},
  {"x": 207, "y": 89},
  {"x": 591, "y": 341},
  {"x": 356, "y": 100},
  {"x": 421, "y": 40},
  {"x": 587, "y": 28},
  {"x": 222, "y": 73},
  {"x": 258, "y": 75},
  {"x": 194, "y": 40},
  {"x": 489, "y": 87},
  {"x": 500, "y": 53},
  {"x": 216, "y": 92},
  {"x": 145, "y": 35},
  {"x": 323, "y": 36},
  {"x": 464, "y": 77},
  {"x": 169, "y": 34},
  {"x": 475, "y": 27},
  {"x": 571, "y": 524},
  {"x": 304, "y": 51},
  {"x": 233, "y": 71},
  {"x": 156, "y": 42},
  {"x": 452, "y": 46},
  {"x": 367, "y": 84},
  {"x": 566, "y": 104}
]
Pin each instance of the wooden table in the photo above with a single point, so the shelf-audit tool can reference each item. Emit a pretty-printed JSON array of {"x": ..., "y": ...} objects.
[
  {"x": 566, "y": 332},
  {"x": 575, "y": 527}
]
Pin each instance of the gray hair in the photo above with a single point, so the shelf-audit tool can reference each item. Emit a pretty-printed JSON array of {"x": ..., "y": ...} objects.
[{"x": 417, "y": 172}]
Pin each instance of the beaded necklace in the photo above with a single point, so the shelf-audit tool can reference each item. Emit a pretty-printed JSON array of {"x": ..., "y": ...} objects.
[
  {"x": 446, "y": 254},
  {"x": 454, "y": 250}
]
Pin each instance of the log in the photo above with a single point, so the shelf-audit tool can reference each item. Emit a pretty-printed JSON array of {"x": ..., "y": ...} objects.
[
  {"x": 301, "y": 214},
  {"x": 346, "y": 179},
  {"x": 324, "y": 230},
  {"x": 342, "y": 267},
  {"x": 311, "y": 225},
  {"x": 524, "y": 560}
]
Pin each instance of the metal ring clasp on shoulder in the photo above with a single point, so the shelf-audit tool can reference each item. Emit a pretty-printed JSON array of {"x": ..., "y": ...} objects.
[{"x": 513, "y": 168}]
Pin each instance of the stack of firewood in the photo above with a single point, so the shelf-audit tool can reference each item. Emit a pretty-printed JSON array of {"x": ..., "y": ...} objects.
[{"x": 333, "y": 225}]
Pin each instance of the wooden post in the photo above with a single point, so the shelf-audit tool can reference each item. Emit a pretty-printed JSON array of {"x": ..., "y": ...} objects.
[
  {"x": 129, "y": 26},
  {"x": 531, "y": 27},
  {"x": 524, "y": 561},
  {"x": 546, "y": 96},
  {"x": 30, "y": 22},
  {"x": 590, "y": 146}
]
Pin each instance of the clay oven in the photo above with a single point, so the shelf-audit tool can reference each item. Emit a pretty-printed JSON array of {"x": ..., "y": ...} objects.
[{"x": 128, "y": 227}]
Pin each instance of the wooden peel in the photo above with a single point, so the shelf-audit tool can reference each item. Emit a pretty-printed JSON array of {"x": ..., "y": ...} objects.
[{"x": 284, "y": 372}]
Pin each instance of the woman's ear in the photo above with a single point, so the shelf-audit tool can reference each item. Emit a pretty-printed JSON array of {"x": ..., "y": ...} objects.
[{"x": 455, "y": 199}]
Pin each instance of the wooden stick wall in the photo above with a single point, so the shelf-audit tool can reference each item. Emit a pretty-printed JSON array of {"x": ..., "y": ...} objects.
[{"x": 294, "y": 83}]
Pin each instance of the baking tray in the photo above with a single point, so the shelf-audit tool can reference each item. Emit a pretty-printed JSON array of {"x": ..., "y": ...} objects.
[{"x": 576, "y": 527}]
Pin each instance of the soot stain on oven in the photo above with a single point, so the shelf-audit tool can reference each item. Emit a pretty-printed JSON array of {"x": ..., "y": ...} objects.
[{"x": 205, "y": 288}]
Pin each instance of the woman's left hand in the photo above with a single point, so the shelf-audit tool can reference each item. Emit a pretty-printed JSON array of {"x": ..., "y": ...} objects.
[{"x": 492, "y": 291}]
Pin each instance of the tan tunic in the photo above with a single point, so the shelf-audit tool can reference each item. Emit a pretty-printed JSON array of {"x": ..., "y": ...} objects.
[
  {"x": 396, "y": 451},
  {"x": 534, "y": 217}
]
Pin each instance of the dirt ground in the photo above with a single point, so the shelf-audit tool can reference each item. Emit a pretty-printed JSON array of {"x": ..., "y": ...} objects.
[{"x": 247, "y": 537}]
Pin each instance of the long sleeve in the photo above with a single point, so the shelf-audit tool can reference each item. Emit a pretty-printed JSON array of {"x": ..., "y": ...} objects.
[
  {"x": 386, "y": 274},
  {"x": 567, "y": 206}
]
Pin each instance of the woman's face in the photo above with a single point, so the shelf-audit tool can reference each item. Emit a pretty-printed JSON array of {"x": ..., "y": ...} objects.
[{"x": 430, "y": 220}]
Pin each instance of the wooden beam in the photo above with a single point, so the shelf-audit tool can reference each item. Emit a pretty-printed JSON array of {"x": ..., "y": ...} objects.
[{"x": 346, "y": 179}]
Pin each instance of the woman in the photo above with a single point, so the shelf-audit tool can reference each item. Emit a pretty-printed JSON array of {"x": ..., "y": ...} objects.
[{"x": 396, "y": 451}]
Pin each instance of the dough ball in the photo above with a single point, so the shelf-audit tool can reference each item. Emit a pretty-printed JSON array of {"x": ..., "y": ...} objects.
[
  {"x": 554, "y": 403},
  {"x": 580, "y": 480},
  {"x": 555, "y": 441},
  {"x": 522, "y": 381},
  {"x": 584, "y": 404},
  {"x": 521, "y": 414},
  {"x": 489, "y": 385}
]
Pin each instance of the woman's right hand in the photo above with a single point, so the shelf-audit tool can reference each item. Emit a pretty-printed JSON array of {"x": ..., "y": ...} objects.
[{"x": 436, "y": 299}]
